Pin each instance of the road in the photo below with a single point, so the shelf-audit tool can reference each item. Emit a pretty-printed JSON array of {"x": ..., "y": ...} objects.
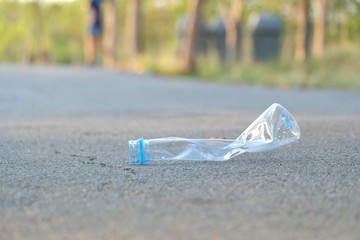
[{"x": 64, "y": 171}]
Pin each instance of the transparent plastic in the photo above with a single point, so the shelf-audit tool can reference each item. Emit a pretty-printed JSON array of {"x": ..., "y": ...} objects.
[{"x": 273, "y": 128}]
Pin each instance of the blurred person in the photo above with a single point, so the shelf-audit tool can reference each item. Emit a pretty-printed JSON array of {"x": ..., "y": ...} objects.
[{"x": 94, "y": 30}]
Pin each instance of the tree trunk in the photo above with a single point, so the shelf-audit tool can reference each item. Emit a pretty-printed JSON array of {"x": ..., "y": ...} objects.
[
  {"x": 318, "y": 42},
  {"x": 231, "y": 25},
  {"x": 302, "y": 31},
  {"x": 110, "y": 34},
  {"x": 133, "y": 27},
  {"x": 192, "y": 28},
  {"x": 40, "y": 52},
  {"x": 287, "y": 52}
]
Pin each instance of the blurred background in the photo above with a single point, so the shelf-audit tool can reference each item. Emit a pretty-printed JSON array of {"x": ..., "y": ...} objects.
[{"x": 280, "y": 43}]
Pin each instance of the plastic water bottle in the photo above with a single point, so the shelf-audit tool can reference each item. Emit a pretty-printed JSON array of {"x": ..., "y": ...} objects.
[{"x": 273, "y": 128}]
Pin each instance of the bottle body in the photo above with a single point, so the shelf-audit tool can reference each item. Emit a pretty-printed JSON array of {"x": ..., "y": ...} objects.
[{"x": 172, "y": 148}]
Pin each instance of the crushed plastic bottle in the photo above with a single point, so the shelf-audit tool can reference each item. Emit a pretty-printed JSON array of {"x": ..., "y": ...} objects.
[{"x": 273, "y": 128}]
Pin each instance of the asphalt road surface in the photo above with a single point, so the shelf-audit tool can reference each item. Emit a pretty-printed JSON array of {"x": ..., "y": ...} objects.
[{"x": 64, "y": 171}]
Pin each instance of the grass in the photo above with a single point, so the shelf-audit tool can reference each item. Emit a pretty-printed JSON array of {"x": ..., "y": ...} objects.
[{"x": 339, "y": 69}]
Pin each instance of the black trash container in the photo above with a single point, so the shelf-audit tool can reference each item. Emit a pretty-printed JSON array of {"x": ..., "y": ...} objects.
[
  {"x": 266, "y": 30},
  {"x": 202, "y": 39}
]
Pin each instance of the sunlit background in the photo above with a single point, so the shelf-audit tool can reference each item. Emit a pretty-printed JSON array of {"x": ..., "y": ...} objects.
[{"x": 282, "y": 43}]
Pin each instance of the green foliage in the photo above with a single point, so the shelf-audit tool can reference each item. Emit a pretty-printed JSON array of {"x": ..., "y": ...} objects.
[
  {"x": 158, "y": 23},
  {"x": 53, "y": 30},
  {"x": 65, "y": 32},
  {"x": 13, "y": 30}
]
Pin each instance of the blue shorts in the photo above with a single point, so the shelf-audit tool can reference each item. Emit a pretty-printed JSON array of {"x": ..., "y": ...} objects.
[{"x": 95, "y": 30}]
